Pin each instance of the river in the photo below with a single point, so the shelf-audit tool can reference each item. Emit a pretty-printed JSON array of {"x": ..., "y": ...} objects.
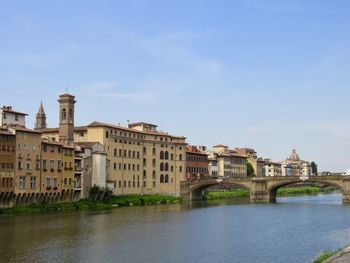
[{"x": 293, "y": 230}]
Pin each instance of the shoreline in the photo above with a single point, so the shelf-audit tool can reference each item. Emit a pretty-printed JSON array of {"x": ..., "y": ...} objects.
[
  {"x": 93, "y": 205},
  {"x": 282, "y": 192}
]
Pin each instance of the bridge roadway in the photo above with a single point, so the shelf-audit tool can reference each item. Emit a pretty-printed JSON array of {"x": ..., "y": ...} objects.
[{"x": 263, "y": 189}]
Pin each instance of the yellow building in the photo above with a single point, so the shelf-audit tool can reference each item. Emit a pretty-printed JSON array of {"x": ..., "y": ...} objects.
[
  {"x": 27, "y": 172},
  {"x": 142, "y": 159},
  {"x": 230, "y": 164},
  {"x": 51, "y": 175},
  {"x": 7, "y": 162},
  {"x": 68, "y": 160}
]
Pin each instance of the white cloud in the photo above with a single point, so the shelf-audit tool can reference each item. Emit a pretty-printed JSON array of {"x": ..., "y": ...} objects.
[
  {"x": 175, "y": 48},
  {"x": 112, "y": 89}
]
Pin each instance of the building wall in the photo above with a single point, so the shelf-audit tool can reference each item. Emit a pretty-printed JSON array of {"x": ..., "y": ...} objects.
[
  {"x": 11, "y": 118},
  {"x": 99, "y": 167},
  {"x": 27, "y": 174},
  {"x": 68, "y": 161},
  {"x": 51, "y": 167},
  {"x": 135, "y": 159},
  {"x": 7, "y": 162},
  {"x": 273, "y": 169},
  {"x": 196, "y": 166}
]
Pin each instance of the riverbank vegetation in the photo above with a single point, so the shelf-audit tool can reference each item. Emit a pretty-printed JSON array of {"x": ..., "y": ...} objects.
[
  {"x": 326, "y": 255},
  {"x": 88, "y": 204},
  {"x": 287, "y": 191}
]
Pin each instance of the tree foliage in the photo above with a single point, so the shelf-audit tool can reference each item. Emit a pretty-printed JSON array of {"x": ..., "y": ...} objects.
[
  {"x": 250, "y": 169},
  {"x": 313, "y": 168}
]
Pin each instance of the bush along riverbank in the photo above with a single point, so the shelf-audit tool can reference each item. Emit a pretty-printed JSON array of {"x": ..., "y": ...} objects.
[
  {"x": 88, "y": 204},
  {"x": 326, "y": 255},
  {"x": 288, "y": 191}
]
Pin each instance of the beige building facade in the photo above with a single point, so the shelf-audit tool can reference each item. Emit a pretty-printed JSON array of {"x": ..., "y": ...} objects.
[{"x": 230, "y": 164}]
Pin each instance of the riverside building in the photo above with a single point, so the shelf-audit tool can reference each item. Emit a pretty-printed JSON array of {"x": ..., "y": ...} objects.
[
  {"x": 142, "y": 160},
  {"x": 196, "y": 163}
]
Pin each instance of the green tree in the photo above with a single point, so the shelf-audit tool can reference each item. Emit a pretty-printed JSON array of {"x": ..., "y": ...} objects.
[
  {"x": 250, "y": 169},
  {"x": 313, "y": 168}
]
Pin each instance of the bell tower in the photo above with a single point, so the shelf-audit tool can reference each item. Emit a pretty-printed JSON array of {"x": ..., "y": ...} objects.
[
  {"x": 66, "y": 118},
  {"x": 40, "y": 118}
]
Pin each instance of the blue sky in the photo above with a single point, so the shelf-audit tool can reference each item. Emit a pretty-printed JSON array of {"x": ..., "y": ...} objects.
[{"x": 268, "y": 74}]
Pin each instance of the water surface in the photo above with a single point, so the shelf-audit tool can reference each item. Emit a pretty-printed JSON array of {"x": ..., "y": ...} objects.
[{"x": 293, "y": 230}]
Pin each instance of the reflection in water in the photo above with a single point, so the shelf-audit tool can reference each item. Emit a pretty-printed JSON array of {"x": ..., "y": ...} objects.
[{"x": 293, "y": 230}]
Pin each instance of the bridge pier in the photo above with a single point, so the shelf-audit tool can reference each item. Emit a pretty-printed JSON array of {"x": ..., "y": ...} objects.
[
  {"x": 259, "y": 192},
  {"x": 346, "y": 190}
]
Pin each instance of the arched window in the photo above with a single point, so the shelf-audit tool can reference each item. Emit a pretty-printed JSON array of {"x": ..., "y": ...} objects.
[
  {"x": 166, "y": 180},
  {"x": 166, "y": 157},
  {"x": 161, "y": 155},
  {"x": 64, "y": 114},
  {"x": 154, "y": 162},
  {"x": 166, "y": 167},
  {"x": 154, "y": 175},
  {"x": 162, "y": 166},
  {"x": 161, "y": 178},
  {"x": 71, "y": 113}
]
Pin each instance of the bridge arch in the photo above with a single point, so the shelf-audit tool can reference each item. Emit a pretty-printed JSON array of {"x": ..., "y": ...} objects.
[
  {"x": 196, "y": 189},
  {"x": 273, "y": 187}
]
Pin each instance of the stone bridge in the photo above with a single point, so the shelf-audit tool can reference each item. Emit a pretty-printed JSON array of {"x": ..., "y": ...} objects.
[{"x": 263, "y": 189}]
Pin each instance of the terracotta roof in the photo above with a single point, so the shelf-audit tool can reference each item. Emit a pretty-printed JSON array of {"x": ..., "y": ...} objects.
[
  {"x": 86, "y": 144},
  {"x": 194, "y": 150},
  {"x": 15, "y": 112},
  {"x": 48, "y": 130},
  {"x": 101, "y": 124},
  {"x": 19, "y": 128},
  {"x": 141, "y": 123},
  {"x": 220, "y": 145},
  {"x": 5, "y": 132}
]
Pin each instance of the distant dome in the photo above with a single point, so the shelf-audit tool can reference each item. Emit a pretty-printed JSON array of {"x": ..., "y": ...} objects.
[{"x": 294, "y": 156}]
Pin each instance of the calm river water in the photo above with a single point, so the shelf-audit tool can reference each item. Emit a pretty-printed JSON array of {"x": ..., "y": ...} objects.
[{"x": 294, "y": 230}]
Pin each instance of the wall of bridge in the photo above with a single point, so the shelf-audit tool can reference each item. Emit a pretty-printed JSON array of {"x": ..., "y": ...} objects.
[{"x": 263, "y": 189}]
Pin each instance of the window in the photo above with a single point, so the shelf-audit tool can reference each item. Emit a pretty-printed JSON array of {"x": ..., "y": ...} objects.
[
  {"x": 25, "y": 146},
  {"x": 166, "y": 180},
  {"x": 180, "y": 157},
  {"x": 4, "y": 116},
  {"x": 29, "y": 165},
  {"x": 22, "y": 182},
  {"x": 166, "y": 168},
  {"x": 55, "y": 183},
  {"x": 154, "y": 151},
  {"x": 48, "y": 183},
  {"x": 166, "y": 156},
  {"x": 32, "y": 182},
  {"x": 59, "y": 165},
  {"x": 162, "y": 166},
  {"x": 154, "y": 175},
  {"x": 161, "y": 178},
  {"x": 44, "y": 165},
  {"x": 33, "y": 148},
  {"x": 154, "y": 162},
  {"x": 106, "y": 134},
  {"x": 64, "y": 114},
  {"x": 19, "y": 165},
  {"x": 52, "y": 165},
  {"x": 161, "y": 155}
]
